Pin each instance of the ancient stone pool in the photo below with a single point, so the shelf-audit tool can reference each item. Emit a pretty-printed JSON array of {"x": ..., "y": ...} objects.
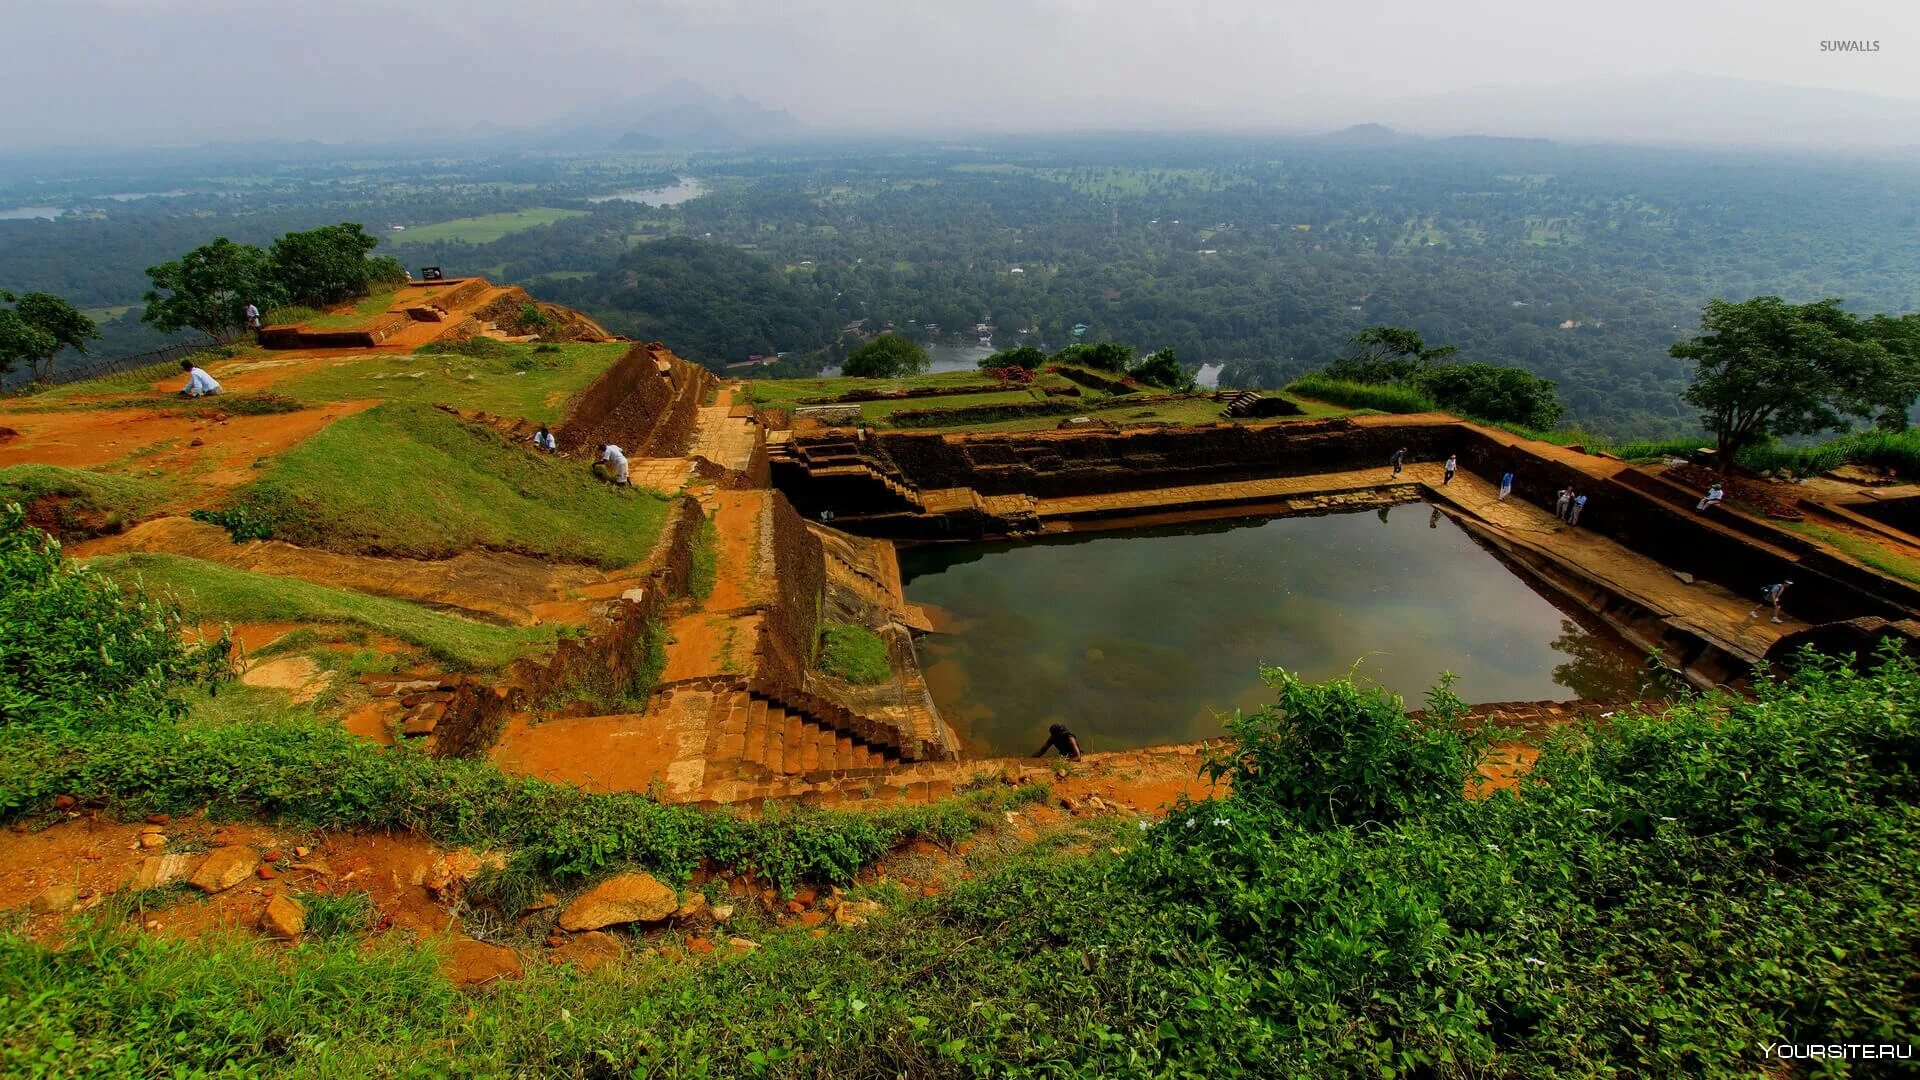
[{"x": 1145, "y": 637}]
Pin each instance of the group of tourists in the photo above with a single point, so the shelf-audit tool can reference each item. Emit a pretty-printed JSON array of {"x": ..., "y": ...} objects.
[{"x": 1568, "y": 505}]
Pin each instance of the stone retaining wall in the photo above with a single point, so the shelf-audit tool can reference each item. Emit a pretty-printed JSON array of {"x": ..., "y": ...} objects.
[{"x": 647, "y": 403}]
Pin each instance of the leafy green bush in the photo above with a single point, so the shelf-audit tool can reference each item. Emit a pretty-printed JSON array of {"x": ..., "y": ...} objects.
[
  {"x": 78, "y": 651},
  {"x": 1163, "y": 369},
  {"x": 1384, "y": 397},
  {"x": 241, "y": 523},
  {"x": 1100, "y": 355},
  {"x": 854, "y": 653},
  {"x": 479, "y": 348}
]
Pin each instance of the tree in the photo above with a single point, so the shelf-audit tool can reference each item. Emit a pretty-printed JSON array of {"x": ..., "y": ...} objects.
[
  {"x": 37, "y": 327},
  {"x": 209, "y": 288},
  {"x": 1026, "y": 356},
  {"x": 1163, "y": 369},
  {"x": 1765, "y": 367},
  {"x": 322, "y": 267},
  {"x": 1384, "y": 354},
  {"x": 888, "y": 356},
  {"x": 1491, "y": 392},
  {"x": 1101, "y": 355}
]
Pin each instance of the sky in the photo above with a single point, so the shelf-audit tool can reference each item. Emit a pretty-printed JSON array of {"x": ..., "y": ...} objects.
[{"x": 143, "y": 72}]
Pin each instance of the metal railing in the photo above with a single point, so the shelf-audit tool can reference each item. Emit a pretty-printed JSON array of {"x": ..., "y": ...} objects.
[{"x": 113, "y": 365}]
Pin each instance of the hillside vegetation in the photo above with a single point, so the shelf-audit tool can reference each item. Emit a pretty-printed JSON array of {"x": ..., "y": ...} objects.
[{"x": 408, "y": 479}]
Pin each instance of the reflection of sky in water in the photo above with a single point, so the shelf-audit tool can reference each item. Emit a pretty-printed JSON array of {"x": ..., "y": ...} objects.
[{"x": 1137, "y": 638}]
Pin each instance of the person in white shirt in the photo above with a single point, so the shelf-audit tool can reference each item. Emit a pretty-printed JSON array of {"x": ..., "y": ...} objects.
[
  {"x": 617, "y": 458},
  {"x": 199, "y": 383},
  {"x": 253, "y": 318},
  {"x": 544, "y": 440}
]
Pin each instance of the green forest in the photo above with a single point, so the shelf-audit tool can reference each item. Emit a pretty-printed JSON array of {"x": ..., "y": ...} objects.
[{"x": 1583, "y": 264}]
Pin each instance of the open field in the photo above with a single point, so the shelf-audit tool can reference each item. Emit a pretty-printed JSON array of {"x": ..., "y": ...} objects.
[
  {"x": 484, "y": 229},
  {"x": 524, "y": 383}
]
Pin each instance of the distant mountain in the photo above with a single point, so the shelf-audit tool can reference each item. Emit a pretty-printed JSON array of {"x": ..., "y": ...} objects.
[
  {"x": 1365, "y": 133},
  {"x": 682, "y": 113},
  {"x": 1681, "y": 108}
]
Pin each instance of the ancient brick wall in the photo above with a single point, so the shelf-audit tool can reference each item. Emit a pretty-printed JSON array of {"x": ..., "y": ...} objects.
[
  {"x": 792, "y": 625},
  {"x": 608, "y": 662},
  {"x": 647, "y": 403}
]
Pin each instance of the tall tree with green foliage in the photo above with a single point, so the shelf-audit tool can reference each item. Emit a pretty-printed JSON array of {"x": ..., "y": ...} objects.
[
  {"x": 1765, "y": 367},
  {"x": 330, "y": 264},
  {"x": 37, "y": 327},
  {"x": 1493, "y": 392},
  {"x": 888, "y": 356},
  {"x": 1163, "y": 369},
  {"x": 1388, "y": 354},
  {"x": 208, "y": 289},
  {"x": 1100, "y": 355}
]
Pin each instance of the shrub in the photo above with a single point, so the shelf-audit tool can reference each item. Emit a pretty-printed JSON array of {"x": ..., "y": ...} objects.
[
  {"x": 1163, "y": 369},
  {"x": 1492, "y": 392},
  {"x": 1355, "y": 395},
  {"x": 241, "y": 523},
  {"x": 888, "y": 356},
  {"x": 1100, "y": 355},
  {"x": 1027, "y": 357},
  {"x": 479, "y": 348},
  {"x": 79, "y": 651},
  {"x": 854, "y": 653}
]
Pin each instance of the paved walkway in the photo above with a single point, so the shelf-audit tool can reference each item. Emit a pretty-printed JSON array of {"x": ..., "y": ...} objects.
[{"x": 723, "y": 438}]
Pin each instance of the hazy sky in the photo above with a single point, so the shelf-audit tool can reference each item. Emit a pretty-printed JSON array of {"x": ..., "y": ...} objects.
[{"x": 147, "y": 71}]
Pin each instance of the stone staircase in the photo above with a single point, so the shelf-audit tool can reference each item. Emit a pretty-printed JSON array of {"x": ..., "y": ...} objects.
[
  {"x": 843, "y": 458},
  {"x": 1242, "y": 404}
]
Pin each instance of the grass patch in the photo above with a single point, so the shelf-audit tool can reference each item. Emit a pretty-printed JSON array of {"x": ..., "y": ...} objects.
[
  {"x": 854, "y": 653},
  {"x": 364, "y": 310},
  {"x": 213, "y": 592},
  {"x": 119, "y": 499},
  {"x": 1354, "y": 395},
  {"x": 702, "y": 575},
  {"x": 483, "y": 229},
  {"x": 411, "y": 480},
  {"x": 1862, "y": 550},
  {"x": 331, "y": 915},
  {"x": 517, "y": 381}
]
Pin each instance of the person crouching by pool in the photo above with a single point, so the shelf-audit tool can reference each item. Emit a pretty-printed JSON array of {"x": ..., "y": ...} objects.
[
  {"x": 613, "y": 464},
  {"x": 199, "y": 383},
  {"x": 1059, "y": 738}
]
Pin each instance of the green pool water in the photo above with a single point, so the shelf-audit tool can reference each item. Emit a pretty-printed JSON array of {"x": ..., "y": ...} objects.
[{"x": 1145, "y": 637}]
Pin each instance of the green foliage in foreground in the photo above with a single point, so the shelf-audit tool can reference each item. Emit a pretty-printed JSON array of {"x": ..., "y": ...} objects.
[
  {"x": 1664, "y": 898},
  {"x": 888, "y": 356},
  {"x": 854, "y": 653},
  {"x": 1384, "y": 397},
  {"x": 76, "y": 650},
  {"x": 313, "y": 773},
  {"x": 211, "y": 591},
  {"x": 411, "y": 480}
]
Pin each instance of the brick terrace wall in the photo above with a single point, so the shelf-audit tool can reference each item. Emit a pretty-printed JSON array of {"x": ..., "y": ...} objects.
[
  {"x": 638, "y": 406},
  {"x": 792, "y": 625},
  {"x": 610, "y": 658}
]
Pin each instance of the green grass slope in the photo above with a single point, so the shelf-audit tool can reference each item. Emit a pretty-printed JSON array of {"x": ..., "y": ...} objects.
[
  {"x": 214, "y": 592},
  {"x": 519, "y": 381},
  {"x": 407, "y": 479}
]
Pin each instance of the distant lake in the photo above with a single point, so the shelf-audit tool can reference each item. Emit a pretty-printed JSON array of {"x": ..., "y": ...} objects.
[
  {"x": 686, "y": 188},
  {"x": 27, "y": 213},
  {"x": 1208, "y": 376}
]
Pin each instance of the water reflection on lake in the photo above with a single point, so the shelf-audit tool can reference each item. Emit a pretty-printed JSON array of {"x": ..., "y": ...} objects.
[
  {"x": 686, "y": 188},
  {"x": 26, "y": 213},
  {"x": 1133, "y": 639}
]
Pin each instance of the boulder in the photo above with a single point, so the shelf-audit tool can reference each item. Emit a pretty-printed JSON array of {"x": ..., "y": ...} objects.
[
  {"x": 693, "y": 909},
  {"x": 225, "y": 867},
  {"x": 284, "y": 918},
  {"x": 589, "y": 950},
  {"x": 475, "y": 963},
  {"x": 158, "y": 870},
  {"x": 856, "y": 912},
  {"x": 624, "y": 898},
  {"x": 55, "y": 900}
]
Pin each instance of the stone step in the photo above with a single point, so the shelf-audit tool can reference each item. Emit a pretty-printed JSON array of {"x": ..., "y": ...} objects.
[
  {"x": 755, "y": 743},
  {"x": 774, "y": 754},
  {"x": 796, "y": 739}
]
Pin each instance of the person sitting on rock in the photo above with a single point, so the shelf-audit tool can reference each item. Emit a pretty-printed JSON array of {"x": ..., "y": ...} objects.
[
  {"x": 1712, "y": 498},
  {"x": 616, "y": 461},
  {"x": 1059, "y": 738},
  {"x": 199, "y": 383}
]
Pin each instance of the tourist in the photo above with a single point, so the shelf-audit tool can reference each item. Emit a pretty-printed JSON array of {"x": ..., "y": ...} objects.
[
  {"x": 1433, "y": 519},
  {"x": 1770, "y": 597},
  {"x": 1399, "y": 458},
  {"x": 1712, "y": 498},
  {"x": 1452, "y": 465},
  {"x": 1579, "y": 504},
  {"x": 1059, "y": 738},
  {"x": 615, "y": 457},
  {"x": 253, "y": 319},
  {"x": 1506, "y": 485},
  {"x": 543, "y": 440},
  {"x": 199, "y": 383},
  {"x": 1562, "y": 502}
]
